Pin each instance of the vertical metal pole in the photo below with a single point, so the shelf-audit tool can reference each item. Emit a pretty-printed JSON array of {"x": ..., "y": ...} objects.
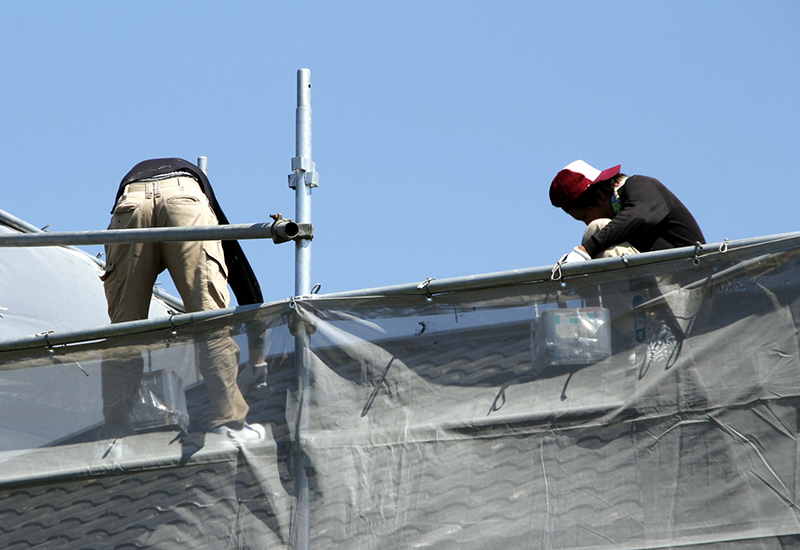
[
  {"x": 202, "y": 164},
  {"x": 303, "y": 179}
]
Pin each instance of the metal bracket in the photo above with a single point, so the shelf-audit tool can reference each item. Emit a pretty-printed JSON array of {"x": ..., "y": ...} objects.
[
  {"x": 308, "y": 169},
  {"x": 304, "y": 231},
  {"x": 311, "y": 179},
  {"x": 284, "y": 230},
  {"x": 303, "y": 163}
]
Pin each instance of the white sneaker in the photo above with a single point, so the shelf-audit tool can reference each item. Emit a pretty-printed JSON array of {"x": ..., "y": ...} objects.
[{"x": 249, "y": 434}]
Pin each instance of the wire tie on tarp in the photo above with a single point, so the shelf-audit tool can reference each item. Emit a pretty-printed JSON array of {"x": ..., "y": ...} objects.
[
  {"x": 77, "y": 364},
  {"x": 316, "y": 288},
  {"x": 52, "y": 351},
  {"x": 172, "y": 324},
  {"x": 46, "y": 335},
  {"x": 723, "y": 248},
  {"x": 425, "y": 285},
  {"x": 56, "y": 361},
  {"x": 698, "y": 248},
  {"x": 82, "y": 369},
  {"x": 555, "y": 274},
  {"x": 378, "y": 383},
  {"x": 499, "y": 401}
]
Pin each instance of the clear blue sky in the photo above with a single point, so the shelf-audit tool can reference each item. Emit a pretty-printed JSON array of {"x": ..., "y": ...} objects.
[{"x": 437, "y": 126}]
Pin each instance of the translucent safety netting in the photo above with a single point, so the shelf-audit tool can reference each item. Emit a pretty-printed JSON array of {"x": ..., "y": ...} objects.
[{"x": 642, "y": 404}]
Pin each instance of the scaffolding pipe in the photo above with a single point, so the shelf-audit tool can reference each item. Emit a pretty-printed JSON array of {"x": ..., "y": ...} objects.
[
  {"x": 279, "y": 231},
  {"x": 16, "y": 223},
  {"x": 770, "y": 244},
  {"x": 51, "y": 340},
  {"x": 574, "y": 270},
  {"x": 302, "y": 180}
]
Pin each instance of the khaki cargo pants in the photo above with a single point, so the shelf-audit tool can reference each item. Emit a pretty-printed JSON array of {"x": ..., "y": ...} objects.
[{"x": 200, "y": 275}]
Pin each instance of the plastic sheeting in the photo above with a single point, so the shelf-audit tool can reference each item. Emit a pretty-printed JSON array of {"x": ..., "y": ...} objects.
[
  {"x": 438, "y": 422},
  {"x": 46, "y": 290}
]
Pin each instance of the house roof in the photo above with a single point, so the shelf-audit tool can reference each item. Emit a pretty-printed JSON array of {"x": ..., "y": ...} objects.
[{"x": 440, "y": 422}]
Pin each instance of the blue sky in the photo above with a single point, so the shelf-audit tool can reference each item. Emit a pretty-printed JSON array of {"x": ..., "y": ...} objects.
[{"x": 437, "y": 126}]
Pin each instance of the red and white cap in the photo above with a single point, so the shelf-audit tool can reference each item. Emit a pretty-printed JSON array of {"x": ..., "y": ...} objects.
[{"x": 574, "y": 179}]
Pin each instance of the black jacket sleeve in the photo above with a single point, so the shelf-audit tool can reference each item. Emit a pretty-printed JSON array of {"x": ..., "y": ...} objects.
[{"x": 650, "y": 218}]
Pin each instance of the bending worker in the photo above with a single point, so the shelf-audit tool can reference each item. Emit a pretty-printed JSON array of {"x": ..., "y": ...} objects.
[
  {"x": 623, "y": 214},
  {"x": 172, "y": 192}
]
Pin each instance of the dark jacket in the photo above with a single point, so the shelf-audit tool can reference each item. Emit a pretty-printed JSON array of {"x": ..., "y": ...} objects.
[
  {"x": 650, "y": 218},
  {"x": 241, "y": 277}
]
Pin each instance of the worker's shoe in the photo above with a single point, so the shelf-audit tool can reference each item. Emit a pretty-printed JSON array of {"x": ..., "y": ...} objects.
[{"x": 250, "y": 433}]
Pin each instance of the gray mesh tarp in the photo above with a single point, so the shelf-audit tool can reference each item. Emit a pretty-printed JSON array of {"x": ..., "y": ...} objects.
[{"x": 451, "y": 419}]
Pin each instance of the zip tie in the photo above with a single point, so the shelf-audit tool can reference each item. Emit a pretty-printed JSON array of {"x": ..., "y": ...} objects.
[
  {"x": 723, "y": 248},
  {"x": 625, "y": 259},
  {"x": 315, "y": 289},
  {"x": 172, "y": 324},
  {"x": 697, "y": 249}
]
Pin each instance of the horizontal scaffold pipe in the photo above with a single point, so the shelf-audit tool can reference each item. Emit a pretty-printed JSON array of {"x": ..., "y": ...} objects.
[
  {"x": 787, "y": 241},
  {"x": 279, "y": 231},
  {"x": 570, "y": 270},
  {"x": 154, "y": 234},
  {"x": 173, "y": 322},
  {"x": 16, "y": 223}
]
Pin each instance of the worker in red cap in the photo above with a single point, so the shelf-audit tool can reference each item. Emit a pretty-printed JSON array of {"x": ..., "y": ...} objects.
[{"x": 635, "y": 214}]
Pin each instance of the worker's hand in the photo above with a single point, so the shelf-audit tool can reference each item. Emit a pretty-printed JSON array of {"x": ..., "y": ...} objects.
[{"x": 578, "y": 254}]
